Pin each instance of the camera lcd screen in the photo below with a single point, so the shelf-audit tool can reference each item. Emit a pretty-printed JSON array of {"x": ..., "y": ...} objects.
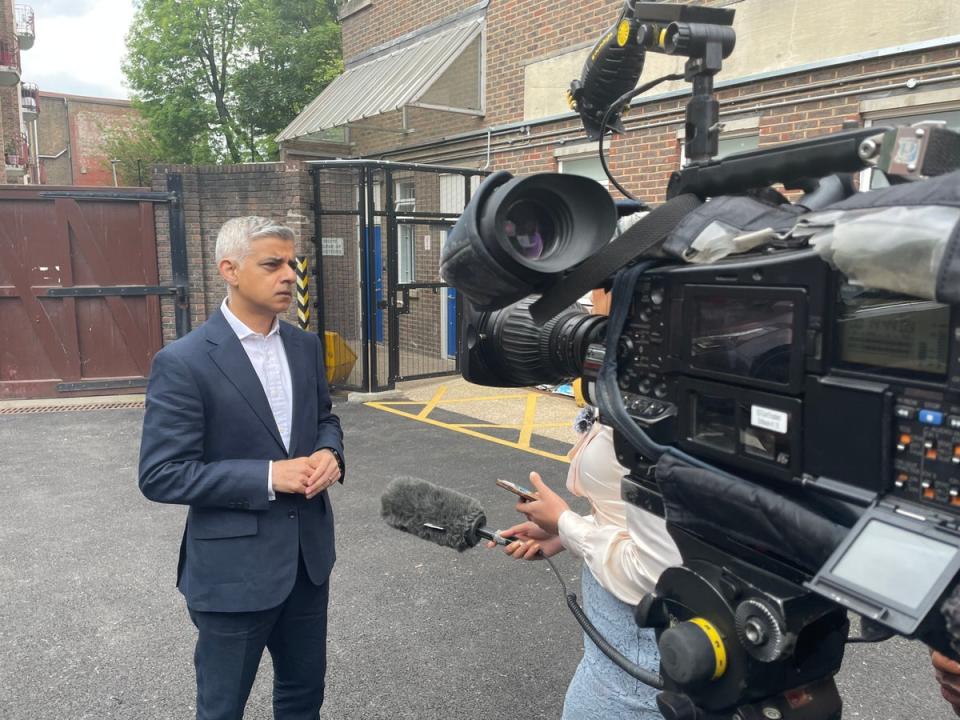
[
  {"x": 894, "y": 563},
  {"x": 715, "y": 422},
  {"x": 746, "y": 336},
  {"x": 899, "y": 336}
]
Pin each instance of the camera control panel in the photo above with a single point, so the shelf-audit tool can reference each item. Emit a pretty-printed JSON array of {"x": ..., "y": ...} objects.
[
  {"x": 926, "y": 456},
  {"x": 648, "y": 394}
]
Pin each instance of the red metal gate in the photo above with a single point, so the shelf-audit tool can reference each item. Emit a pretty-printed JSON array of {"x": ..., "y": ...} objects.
[{"x": 79, "y": 291}]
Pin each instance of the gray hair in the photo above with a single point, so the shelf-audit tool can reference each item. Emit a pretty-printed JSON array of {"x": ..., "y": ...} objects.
[{"x": 234, "y": 238}]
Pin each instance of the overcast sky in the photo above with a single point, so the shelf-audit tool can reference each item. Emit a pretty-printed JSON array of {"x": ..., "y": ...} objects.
[{"x": 79, "y": 46}]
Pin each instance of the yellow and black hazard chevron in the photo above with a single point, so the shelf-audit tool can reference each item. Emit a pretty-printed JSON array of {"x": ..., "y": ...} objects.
[{"x": 303, "y": 293}]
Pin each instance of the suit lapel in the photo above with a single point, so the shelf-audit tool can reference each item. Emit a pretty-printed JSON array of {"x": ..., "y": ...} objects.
[
  {"x": 293, "y": 347},
  {"x": 228, "y": 355}
]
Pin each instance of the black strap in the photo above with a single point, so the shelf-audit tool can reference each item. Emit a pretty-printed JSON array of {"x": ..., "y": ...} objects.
[{"x": 646, "y": 235}]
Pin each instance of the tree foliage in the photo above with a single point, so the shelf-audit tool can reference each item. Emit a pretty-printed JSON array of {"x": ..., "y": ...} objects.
[
  {"x": 217, "y": 80},
  {"x": 134, "y": 148}
]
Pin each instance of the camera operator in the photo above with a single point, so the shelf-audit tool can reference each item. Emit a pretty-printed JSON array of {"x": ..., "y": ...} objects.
[{"x": 624, "y": 551}]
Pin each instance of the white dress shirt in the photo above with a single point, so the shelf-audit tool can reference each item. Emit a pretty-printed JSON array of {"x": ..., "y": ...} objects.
[
  {"x": 269, "y": 360},
  {"x": 626, "y": 548}
]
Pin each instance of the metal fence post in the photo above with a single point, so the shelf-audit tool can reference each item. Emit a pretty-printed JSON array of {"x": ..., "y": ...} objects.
[{"x": 178, "y": 253}]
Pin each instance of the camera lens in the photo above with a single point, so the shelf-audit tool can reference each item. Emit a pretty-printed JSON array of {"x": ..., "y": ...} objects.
[
  {"x": 505, "y": 348},
  {"x": 517, "y": 236},
  {"x": 535, "y": 226},
  {"x": 530, "y": 229}
]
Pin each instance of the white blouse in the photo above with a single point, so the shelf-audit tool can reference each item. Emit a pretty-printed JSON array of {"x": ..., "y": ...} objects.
[{"x": 626, "y": 548}]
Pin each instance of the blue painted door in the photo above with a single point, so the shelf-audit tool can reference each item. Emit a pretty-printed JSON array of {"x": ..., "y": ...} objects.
[
  {"x": 451, "y": 322},
  {"x": 375, "y": 271}
]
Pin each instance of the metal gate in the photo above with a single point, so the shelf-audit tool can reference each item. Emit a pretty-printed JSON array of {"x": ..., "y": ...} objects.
[
  {"x": 79, "y": 290},
  {"x": 379, "y": 230}
]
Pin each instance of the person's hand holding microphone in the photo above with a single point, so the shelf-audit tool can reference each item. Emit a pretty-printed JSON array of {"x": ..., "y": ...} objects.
[{"x": 538, "y": 536}]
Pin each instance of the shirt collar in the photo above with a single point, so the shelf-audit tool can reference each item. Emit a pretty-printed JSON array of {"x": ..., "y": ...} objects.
[{"x": 240, "y": 328}]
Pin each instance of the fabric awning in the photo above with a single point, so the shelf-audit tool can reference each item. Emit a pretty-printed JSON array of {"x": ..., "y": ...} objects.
[{"x": 385, "y": 83}]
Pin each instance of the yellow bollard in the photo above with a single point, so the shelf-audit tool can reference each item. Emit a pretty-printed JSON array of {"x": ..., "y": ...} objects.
[
  {"x": 340, "y": 358},
  {"x": 578, "y": 397}
]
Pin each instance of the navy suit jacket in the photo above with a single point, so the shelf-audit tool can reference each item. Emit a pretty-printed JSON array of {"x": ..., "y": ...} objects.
[{"x": 208, "y": 436}]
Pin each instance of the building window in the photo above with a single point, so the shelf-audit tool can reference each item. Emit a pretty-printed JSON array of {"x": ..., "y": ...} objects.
[
  {"x": 950, "y": 117},
  {"x": 737, "y": 136},
  {"x": 728, "y": 144},
  {"x": 589, "y": 166},
  {"x": 406, "y": 202}
]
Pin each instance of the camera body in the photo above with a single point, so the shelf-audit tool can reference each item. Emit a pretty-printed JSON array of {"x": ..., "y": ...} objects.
[
  {"x": 797, "y": 426},
  {"x": 797, "y": 430},
  {"x": 772, "y": 366}
]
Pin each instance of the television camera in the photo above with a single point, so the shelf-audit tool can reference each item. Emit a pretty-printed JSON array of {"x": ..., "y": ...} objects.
[{"x": 783, "y": 378}]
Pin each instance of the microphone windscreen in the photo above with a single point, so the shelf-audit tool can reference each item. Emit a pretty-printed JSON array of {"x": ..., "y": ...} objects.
[{"x": 409, "y": 503}]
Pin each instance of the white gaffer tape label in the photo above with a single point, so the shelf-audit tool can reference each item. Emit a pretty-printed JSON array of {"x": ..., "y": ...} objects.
[{"x": 769, "y": 419}]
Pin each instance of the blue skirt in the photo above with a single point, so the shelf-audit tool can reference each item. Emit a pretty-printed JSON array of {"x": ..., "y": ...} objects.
[{"x": 600, "y": 690}]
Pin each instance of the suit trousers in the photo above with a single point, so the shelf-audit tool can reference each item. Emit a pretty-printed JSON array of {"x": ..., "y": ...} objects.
[{"x": 230, "y": 645}]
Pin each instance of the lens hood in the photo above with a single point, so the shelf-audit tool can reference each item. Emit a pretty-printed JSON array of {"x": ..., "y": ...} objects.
[{"x": 519, "y": 235}]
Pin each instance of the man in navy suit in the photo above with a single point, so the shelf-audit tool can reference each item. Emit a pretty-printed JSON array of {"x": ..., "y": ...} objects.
[{"x": 238, "y": 428}]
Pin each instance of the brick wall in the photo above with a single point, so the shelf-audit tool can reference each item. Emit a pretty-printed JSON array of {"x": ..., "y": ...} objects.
[
  {"x": 420, "y": 327},
  {"x": 780, "y": 107},
  {"x": 341, "y": 272},
  {"x": 53, "y": 134},
  {"x": 77, "y": 124},
  {"x": 517, "y": 32},
  {"x": 790, "y": 107},
  {"x": 284, "y": 191},
  {"x": 380, "y": 22},
  {"x": 87, "y": 119},
  {"x": 213, "y": 195},
  {"x": 520, "y": 32}
]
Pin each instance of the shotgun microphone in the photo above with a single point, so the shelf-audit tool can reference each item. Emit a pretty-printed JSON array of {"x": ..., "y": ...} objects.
[
  {"x": 445, "y": 517},
  {"x": 455, "y": 520}
]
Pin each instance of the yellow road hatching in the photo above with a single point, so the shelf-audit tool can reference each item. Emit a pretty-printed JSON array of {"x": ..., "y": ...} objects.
[{"x": 505, "y": 404}]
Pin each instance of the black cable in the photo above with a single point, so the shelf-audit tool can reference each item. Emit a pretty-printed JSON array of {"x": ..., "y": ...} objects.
[
  {"x": 645, "y": 676},
  {"x": 619, "y": 103}
]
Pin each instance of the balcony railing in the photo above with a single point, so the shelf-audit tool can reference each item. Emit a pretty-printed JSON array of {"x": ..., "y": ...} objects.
[
  {"x": 9, "y": 63},
  {"x": 26, "y": 29},
  {"x": 17, "y": 154},
  {"x": 30, "y": 100}
]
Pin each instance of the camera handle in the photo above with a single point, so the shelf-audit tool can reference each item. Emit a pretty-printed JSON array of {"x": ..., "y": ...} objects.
[
  {"x": 702, "y": 131},
  {"x": 792, "y": 164}
]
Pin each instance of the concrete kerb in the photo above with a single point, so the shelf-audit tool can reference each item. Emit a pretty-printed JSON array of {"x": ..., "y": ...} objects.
[{"x": 358, "y": 398}]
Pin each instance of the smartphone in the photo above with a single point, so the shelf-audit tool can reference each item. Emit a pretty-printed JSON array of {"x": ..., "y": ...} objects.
[{"x": 517, "y": 490}]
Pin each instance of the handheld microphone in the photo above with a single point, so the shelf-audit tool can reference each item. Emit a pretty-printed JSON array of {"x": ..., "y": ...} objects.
[
  {"x": 435, "y": 513},
  {"x": 455, "y": 520}
]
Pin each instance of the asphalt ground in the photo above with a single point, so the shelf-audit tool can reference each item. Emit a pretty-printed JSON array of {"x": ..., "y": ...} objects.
[{"x": 92, "y": 627}]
